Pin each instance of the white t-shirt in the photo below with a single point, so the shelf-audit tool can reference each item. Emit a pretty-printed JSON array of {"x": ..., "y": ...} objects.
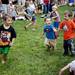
[
  {"x": 31, "y": 7},
  {"x": 40, "y": 1},
  {"x": 72, "y": 66}
]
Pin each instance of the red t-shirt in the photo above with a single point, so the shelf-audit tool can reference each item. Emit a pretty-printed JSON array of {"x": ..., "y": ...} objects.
[
  {"x": 69, "y": 33},
  {"x": 46, "y": 1}
]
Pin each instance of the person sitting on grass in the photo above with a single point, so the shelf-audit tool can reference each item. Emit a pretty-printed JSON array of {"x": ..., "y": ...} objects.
[
  {"x": 7, "y": 38},
  {"x": 55, "y": 16},
  {"x": 20, "y": 12},
  {"x": 33, "y": 22},
  {"x": 49, "y": 32},
  {"x": 70, "y": 66},
  {"x": 68, "y": 27},
  {"x": 11, "y": 10},
  {"x": 31, "y": 8}
]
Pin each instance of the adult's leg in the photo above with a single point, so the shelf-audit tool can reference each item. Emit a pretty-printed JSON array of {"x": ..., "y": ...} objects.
[
  {"x": 44, "y": 9},
  {"x": 47, "y": 10}
]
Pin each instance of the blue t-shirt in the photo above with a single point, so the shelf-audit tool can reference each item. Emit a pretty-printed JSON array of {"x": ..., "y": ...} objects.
[
  {"x": 49, "y": 32},
  {"x": 71, "y": 1}
]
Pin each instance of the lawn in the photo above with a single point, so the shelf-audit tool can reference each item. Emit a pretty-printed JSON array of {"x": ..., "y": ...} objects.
[{"x": 28, "y": 56}]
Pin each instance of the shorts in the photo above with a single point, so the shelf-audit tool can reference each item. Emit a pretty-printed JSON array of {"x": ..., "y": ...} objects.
[
  {"x": 4, "y": 50},
  {"x": 51, "y": 42}
]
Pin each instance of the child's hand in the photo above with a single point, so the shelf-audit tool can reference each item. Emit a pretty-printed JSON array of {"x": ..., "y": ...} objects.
[{"x": 11, "y": 44}]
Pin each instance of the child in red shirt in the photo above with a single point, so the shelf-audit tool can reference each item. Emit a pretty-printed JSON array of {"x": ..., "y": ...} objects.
[{"x": 68, "y": 27}]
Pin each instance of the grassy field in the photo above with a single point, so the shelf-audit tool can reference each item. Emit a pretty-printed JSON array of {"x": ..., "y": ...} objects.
[{"x": 28, "y": 56}]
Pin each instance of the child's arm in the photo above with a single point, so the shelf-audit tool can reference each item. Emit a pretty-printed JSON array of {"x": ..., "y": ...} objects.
[
  {"x": 61, "y": 26},
  {"x": 13, "y": 40},
  {"x": 63, "y": 69},
  {"x": 54, "y": 30}
]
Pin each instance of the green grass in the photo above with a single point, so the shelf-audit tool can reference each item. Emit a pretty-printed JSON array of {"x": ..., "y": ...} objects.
[{"x": 28, "y": 56}]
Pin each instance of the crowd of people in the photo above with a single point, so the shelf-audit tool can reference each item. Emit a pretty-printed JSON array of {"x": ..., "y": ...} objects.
[
  {"x": 27, "y": 10},
  {"x": 23, "y": 9}
]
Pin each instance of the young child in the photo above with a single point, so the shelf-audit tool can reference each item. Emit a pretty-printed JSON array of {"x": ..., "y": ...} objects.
[
  {"x": 68, "y": 27},
  {"x": 11, "y": 10},
  {"x": 7, "y": 38},
  {"x": 20, "y": 12},
  {"x": 55, "y": 16},
  {"x": 70, "y": 66},
  {"x": 49, "y": 32},
  {"x": 33, "y": 22},
  {"x": 31, "y": 8}
]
